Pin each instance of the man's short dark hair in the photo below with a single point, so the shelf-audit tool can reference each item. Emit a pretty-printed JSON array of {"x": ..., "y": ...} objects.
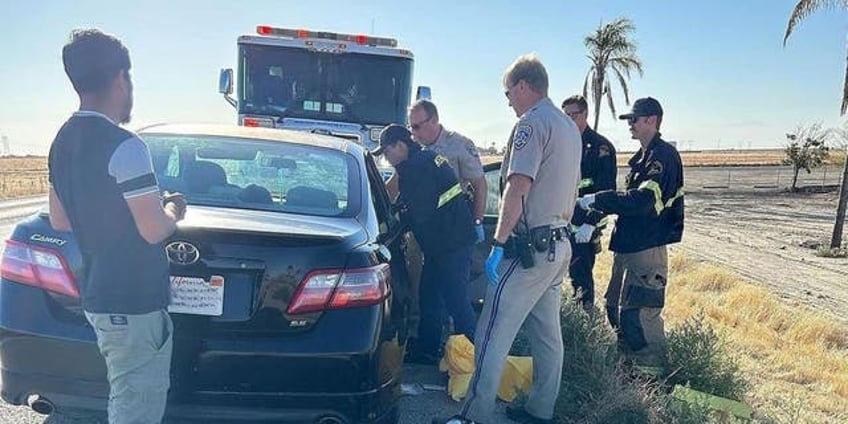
[
  {"x": 93, "y": 59},
  {"x": 577, "y": 99},
  {"x": 427, "y": 106}
]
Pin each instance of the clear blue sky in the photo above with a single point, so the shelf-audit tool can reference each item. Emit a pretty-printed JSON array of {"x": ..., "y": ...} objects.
[{"x": 718, "y": 67}]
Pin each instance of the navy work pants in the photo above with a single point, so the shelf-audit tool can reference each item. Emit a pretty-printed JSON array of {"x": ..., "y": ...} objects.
[{"x": 444, "y": 286}]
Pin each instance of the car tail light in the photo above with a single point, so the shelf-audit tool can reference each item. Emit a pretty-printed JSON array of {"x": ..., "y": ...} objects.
[
  {"x": 337, "y": 289},
  {"x": 258, "y": 122},
  {"x": 39, "y": 267}
]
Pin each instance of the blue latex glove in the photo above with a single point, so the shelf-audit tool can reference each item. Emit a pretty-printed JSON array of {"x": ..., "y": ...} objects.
[
  {"x": 495, "y": 258},
  {"x": 478, "y": 229},
  {"x": 584, "y": 233},
  {"x": 586, "y": 201}
]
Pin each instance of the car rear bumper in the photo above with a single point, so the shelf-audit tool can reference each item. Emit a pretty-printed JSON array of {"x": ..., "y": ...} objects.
[
  {"x": 73, "y": 379},
  {"x": 225, "y": 379},
  {"x": 83, "y": 398}
]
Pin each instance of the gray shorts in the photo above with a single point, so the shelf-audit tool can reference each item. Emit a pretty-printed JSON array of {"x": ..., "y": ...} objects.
[{"x": 137, "y": 350}]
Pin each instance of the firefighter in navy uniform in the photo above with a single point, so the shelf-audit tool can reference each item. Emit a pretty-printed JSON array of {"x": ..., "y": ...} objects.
[
  {"x": 433, "y": 204},
  {"x": 598, "y": 172},
  {"x": 650, "y": 217}
]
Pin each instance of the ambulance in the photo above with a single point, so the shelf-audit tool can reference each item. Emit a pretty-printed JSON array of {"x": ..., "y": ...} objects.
[{"x": 344, "y": 85}]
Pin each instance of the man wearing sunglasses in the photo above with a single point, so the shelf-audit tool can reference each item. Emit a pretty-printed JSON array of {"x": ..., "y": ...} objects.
[
  {"x": 543, "y": 156},
  {"x": 458, "y": 149},
  {"x": 650, "y": 217},
  {"x": 597, "y": 173}
]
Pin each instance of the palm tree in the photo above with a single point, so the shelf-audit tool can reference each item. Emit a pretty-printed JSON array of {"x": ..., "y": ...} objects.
[
  {"x": 611, "y": 52},
  {"x": 803, "y": 9}
]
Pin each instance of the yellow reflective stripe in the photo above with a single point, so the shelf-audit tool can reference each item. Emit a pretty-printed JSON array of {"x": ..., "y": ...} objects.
[
  {"x": 677, "y": 195},
  {"x": 586, "y": 182},
  {"x": 603, "y": 222},
  {"x": 655, "y": 188},
  {"x": 449, "y": 194}
]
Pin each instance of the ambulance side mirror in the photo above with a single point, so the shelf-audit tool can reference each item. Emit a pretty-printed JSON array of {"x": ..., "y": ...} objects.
[
  {"x": 423, "y": 92},
  {"x": 225, "y": 82}
]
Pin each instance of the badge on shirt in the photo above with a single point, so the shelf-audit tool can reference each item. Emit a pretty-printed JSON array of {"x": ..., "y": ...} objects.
[
  {"x": 440, "y": 160},
  {"x": 522, "y": 136},
  {"x": 118, "y": 319},
  {"x": 603, "y": 150},
  {"x": 655, "y": 167}
]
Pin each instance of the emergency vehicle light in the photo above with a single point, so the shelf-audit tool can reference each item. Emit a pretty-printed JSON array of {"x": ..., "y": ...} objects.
[{"x": 323, "y": 35}]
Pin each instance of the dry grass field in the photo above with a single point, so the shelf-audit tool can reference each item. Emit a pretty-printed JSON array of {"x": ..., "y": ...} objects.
[
  {"x": 22, "y": 176},
  {"x": 765, "y": 157},
  {"x": 795, "y": 359}
]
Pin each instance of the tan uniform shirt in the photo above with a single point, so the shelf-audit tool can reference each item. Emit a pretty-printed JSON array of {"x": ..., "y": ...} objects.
[
  {"x": 461, "y": 153},
  {"x": 545, "y": 146}
]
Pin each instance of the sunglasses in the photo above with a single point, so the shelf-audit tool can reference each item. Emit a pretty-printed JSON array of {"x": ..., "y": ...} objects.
[
  {"x": 634, "y": 119},
  {"x": 417, "y": 126},
  {"x": 508, "y": 90},
  {"x": 575, "y": 113}
]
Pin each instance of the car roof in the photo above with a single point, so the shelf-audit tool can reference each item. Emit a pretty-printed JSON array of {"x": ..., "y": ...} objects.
[{"x": 254, "y": 133}]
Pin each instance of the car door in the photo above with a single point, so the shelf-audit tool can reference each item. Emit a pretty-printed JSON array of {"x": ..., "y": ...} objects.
[
  {"x": 479, "y": 282},
  {"x": 394, "y": 238}
]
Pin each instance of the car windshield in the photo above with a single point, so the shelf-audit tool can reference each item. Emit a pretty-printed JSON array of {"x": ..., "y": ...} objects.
[
  {"x": 300, "y": 83},
  {"x": 254, "y": 174}
]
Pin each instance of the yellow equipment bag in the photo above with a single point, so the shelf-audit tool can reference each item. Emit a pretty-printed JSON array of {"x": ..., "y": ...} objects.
[{"x": 458, "y": 362}]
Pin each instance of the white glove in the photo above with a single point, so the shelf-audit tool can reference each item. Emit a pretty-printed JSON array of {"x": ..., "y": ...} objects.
[
  {"x": 586, "y": 201},
  {"x": 584, "y": 233}
]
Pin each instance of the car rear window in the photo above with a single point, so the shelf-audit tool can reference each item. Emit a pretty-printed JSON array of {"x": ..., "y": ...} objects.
[{"x": 255, "y": 174}]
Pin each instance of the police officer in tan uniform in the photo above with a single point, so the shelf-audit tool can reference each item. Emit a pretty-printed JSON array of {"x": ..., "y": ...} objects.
[
  {"x": 460, "y": 151},
  {"x": 543, "y": 156}
]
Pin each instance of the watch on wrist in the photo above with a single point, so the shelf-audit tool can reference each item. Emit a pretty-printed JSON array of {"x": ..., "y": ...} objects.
[{"x": 496, "y": 243}]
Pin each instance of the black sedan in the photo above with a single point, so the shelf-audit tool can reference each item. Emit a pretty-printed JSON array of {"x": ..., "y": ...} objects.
[{"x": 289, "y": 284}]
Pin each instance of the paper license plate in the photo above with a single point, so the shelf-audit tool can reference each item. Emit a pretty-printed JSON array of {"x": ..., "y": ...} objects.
[{"x": 196, "y": 296}]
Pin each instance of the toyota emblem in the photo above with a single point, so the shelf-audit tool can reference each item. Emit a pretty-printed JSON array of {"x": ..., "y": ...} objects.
[{"x": 182, "y": 253}]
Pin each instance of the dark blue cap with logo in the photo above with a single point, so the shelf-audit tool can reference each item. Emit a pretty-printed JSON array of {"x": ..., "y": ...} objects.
[
  {"x": 391, "y": 135},
  {"x": 646, "y": 106}
]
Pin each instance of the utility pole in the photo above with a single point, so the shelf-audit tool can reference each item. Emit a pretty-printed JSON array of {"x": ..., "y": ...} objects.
[{"x": 5, "y": 145}]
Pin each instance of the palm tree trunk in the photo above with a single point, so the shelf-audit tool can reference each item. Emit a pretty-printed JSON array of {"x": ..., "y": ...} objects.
[
  {"x": 836, "y": 239},
  {"x": 598, "y": 94}
]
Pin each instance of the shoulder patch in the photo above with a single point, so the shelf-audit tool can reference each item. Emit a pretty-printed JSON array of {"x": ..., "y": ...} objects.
[
  {"x": 655, "y": 167},
  {"x": 472, "y": 149},
  {"x": 522, "y": 135},
  {"x": 603, "y": 150}
]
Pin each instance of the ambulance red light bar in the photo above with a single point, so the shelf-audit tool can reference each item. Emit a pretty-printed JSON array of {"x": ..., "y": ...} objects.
[{"x": 364, "y": 40}]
